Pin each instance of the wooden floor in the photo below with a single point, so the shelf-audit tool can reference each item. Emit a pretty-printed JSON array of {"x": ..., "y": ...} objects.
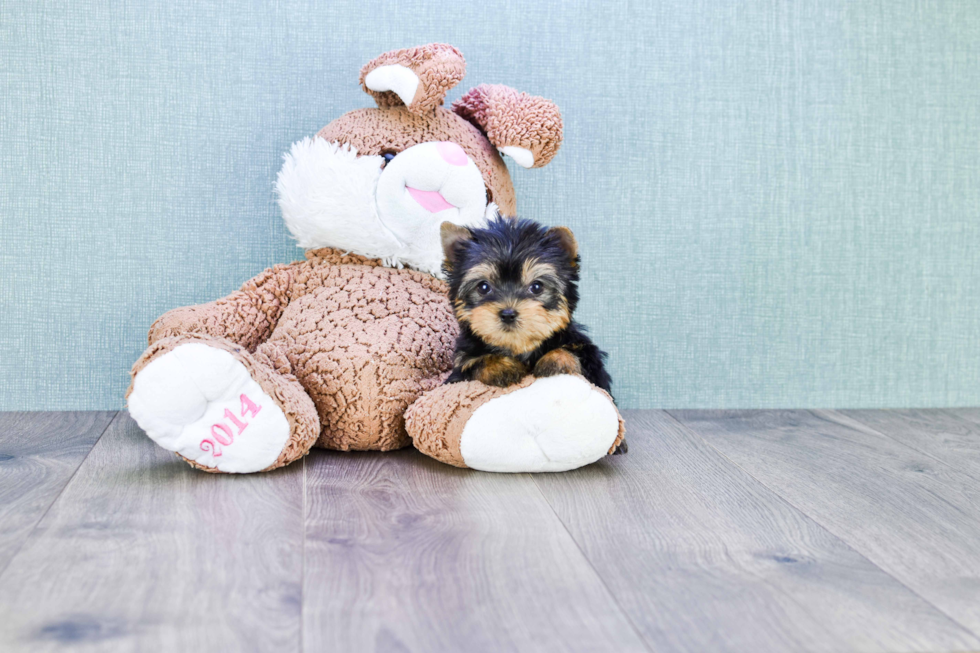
[{"x": 718, "y": 531}]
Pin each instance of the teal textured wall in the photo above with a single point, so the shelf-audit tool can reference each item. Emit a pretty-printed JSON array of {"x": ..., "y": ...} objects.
[{"x": 778, "y": 202}]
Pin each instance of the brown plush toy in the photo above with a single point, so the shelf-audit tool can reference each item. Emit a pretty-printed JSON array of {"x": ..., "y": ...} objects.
[{"x": 349, "y": 348}]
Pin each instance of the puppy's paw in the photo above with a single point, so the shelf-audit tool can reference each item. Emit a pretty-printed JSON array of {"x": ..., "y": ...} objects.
[
  {"x": 500, "y": 371},
  {"x": 558, "y": 361}
]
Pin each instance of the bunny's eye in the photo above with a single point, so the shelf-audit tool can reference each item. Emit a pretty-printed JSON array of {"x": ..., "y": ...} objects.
[{"x": 388, "y": 156}]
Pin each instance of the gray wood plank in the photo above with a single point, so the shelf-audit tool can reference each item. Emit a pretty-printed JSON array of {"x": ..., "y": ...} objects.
[
  {"x": 970, "y": 414},
  {"x": 38, "y": 454},
  {"x": 141, "y": 552},
  {"x": 702, "y": 557},
  {"x": 949, "y": 435},
  {"x": 406, "y": 554},
  {"x": 914, "y": 517}
]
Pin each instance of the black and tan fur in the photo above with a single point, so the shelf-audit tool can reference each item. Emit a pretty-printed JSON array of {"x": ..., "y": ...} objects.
[{"x": 514, "y": 288}]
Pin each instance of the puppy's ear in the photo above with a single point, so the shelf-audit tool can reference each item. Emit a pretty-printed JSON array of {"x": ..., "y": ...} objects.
[
  {"x": 567, "y": 241},
  {"x": 453, "y": 236},
  {"x": 417, "y": 78},
  {"x": 525, "y": 127}
]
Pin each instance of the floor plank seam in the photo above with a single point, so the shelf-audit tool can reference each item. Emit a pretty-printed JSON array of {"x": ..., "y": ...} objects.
[
  {"x": 302, "y": 583},
  {"x": 900, "y": 443},
  {"x": 54, "y": 500},
  {"x": 602, "y": 580},
  {"x": 739, "y": 525},
  {"x": 819, "y": 523}
]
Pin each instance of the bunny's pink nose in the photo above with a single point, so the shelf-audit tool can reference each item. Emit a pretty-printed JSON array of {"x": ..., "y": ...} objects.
[{"x": 453, "y": 154}]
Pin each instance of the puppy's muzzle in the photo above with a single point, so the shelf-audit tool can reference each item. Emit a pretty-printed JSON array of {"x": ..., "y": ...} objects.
[{"x": 508, "y": 315}]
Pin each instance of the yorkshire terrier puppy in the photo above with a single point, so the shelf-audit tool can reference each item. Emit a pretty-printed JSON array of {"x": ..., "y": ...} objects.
[{"x": 514, "y": 288}]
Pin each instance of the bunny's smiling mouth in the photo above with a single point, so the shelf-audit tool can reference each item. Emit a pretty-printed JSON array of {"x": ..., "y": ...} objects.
[{"x": 430, "y": 200}]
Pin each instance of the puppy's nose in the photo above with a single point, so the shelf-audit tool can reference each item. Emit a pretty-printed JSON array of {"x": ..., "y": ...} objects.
[{"x": 508, "y": 315}]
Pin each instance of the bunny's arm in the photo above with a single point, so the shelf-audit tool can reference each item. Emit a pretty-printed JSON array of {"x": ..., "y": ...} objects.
[{"x": 246, "y": 316}]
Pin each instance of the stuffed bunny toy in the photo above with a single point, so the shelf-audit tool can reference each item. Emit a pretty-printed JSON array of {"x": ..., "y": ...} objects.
[{"x": 348, "y": 349}]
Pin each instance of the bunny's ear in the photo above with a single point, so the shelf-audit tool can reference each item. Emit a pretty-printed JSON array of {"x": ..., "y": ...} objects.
[
  {"x": 525, "y": 127},
  {"x": 417, "y": 78}
]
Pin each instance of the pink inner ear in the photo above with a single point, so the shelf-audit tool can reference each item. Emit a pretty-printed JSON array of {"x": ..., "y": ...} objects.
[{"x": 451, "y": 153}]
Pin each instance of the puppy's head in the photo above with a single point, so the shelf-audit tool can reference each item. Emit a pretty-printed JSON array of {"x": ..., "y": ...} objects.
[{"x": 513, "y": 282}]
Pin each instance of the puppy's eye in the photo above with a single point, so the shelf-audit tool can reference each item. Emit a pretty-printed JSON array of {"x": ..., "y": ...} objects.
[
  {"x": 536, "y": 288},
  {"x": 484, "y": 288},
  {"x": 388, "y": 156}
]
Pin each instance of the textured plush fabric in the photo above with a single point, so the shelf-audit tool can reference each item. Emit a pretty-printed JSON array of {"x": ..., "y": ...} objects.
[
  {"x": 436, "y": 420},
  {"x": 505, "y": 114},
  {"x": 363, "y": 129},
  {"x": 283, "y": 388},
  {"x": 776, "y": 200},
  {"x": 438, "y": 66},
  {"x": 361, "y": 340}
]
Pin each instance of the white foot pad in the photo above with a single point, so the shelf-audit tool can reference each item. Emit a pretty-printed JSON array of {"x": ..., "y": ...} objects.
[
  {"x": 202, "y": 403},
  {"x": 553, "y": 425}
]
